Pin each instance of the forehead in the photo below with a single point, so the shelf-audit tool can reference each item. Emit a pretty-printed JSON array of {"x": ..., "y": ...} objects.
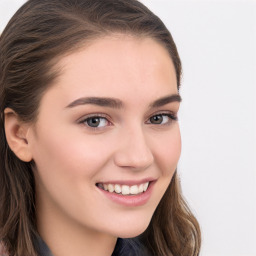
[{"x": 121, "y": 65}]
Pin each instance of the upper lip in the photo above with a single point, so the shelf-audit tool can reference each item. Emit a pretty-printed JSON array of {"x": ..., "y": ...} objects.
[{"x": 127, "y": 182}]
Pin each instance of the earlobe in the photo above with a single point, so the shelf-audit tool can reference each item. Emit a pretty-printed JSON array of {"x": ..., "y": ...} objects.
[{"x": 16, "y": 135}]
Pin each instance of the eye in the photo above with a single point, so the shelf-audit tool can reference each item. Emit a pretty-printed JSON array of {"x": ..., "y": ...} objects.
[
  {"x": 95, "y": 121},
  {"x": 162, "y": 119}
]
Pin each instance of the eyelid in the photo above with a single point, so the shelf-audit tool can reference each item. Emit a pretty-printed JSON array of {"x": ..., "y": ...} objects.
[
  {"x": 93, "y": 115},
  {"x": 173, "y": 114}
]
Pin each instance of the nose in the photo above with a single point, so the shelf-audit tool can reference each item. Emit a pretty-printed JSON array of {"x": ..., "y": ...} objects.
[{"x": 133, "y": 151}]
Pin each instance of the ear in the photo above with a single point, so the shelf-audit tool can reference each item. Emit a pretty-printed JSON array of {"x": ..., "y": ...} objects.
[{"x": 16, "y": 134}]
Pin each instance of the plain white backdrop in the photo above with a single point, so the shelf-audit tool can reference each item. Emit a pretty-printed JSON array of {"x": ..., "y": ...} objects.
[{"x": 217, "y": 44}]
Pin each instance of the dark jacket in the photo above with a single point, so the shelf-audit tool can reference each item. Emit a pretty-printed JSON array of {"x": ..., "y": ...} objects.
[{"x": 124, "y": 247}]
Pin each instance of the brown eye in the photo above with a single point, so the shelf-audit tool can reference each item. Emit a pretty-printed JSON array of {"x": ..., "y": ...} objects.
[
  {"x": 158, "y": 119},
  {"x": 162, "y": 119}
]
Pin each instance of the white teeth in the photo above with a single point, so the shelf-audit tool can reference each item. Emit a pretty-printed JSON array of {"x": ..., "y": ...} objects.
[
  {"x": 110, "y": 188},
  {"x": 134, "y": 190},
  {"x": 145, "y": 186},
  {"x": 141, "y": 188},
  {"x": 125, "y": 189},
  {"x": 118, "y": 188}
]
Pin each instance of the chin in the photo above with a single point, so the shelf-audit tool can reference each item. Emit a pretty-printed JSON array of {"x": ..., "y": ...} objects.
[{"x": 131, "y": 231}]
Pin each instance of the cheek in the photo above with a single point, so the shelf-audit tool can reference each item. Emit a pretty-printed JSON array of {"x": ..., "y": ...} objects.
[
  {"x": 167, "y": 151},
  {"x": 67, "y": 164},
  {"x": 75, "y": 157}
]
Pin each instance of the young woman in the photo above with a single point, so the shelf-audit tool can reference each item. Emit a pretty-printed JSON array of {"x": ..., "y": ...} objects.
[{"x": 89, "y": 96}]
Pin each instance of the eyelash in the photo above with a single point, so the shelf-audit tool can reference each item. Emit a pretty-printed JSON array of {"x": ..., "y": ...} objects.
[
  {"x": 99, "y": 116},
  {"x": 172, "y": 117}
]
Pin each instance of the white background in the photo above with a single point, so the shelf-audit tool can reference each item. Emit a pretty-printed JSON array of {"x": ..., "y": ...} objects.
[{"x": 217, "y": 44}]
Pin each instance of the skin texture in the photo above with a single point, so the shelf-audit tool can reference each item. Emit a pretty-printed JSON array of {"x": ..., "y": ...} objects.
[{"x": 74, "y": 216}]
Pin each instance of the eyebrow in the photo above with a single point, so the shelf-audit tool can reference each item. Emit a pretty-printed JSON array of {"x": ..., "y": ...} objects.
[
  {"x": 103, "y": 102},
  {"x": 116, "y": 103},
  {"x": 165, "y": 100}
]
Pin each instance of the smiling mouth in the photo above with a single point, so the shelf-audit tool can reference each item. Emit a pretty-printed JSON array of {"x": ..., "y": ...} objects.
[{"x": 124, "y": 189}]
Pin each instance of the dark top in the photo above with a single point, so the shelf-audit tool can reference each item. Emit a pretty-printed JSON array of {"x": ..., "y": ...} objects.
[
  {"x": 124, "y": 247},
  {"x": 42, "y": 248}
]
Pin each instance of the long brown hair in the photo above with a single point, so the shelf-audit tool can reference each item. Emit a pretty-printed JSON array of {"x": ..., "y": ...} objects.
[{"x": 35, "y": 38}]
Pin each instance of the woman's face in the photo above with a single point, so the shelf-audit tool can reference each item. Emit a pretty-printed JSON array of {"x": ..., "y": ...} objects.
[{"x": 107, "y": 123}]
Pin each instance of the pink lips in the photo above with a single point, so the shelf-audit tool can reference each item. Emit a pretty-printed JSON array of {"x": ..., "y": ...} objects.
[{"x": 130, "y": 200}]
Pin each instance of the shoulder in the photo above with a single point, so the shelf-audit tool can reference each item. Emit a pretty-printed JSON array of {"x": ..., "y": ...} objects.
[{"x": 3, "y": 251}]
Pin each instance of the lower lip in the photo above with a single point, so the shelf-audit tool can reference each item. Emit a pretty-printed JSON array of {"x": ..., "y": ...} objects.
[{"x": 130, "y": 200}]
